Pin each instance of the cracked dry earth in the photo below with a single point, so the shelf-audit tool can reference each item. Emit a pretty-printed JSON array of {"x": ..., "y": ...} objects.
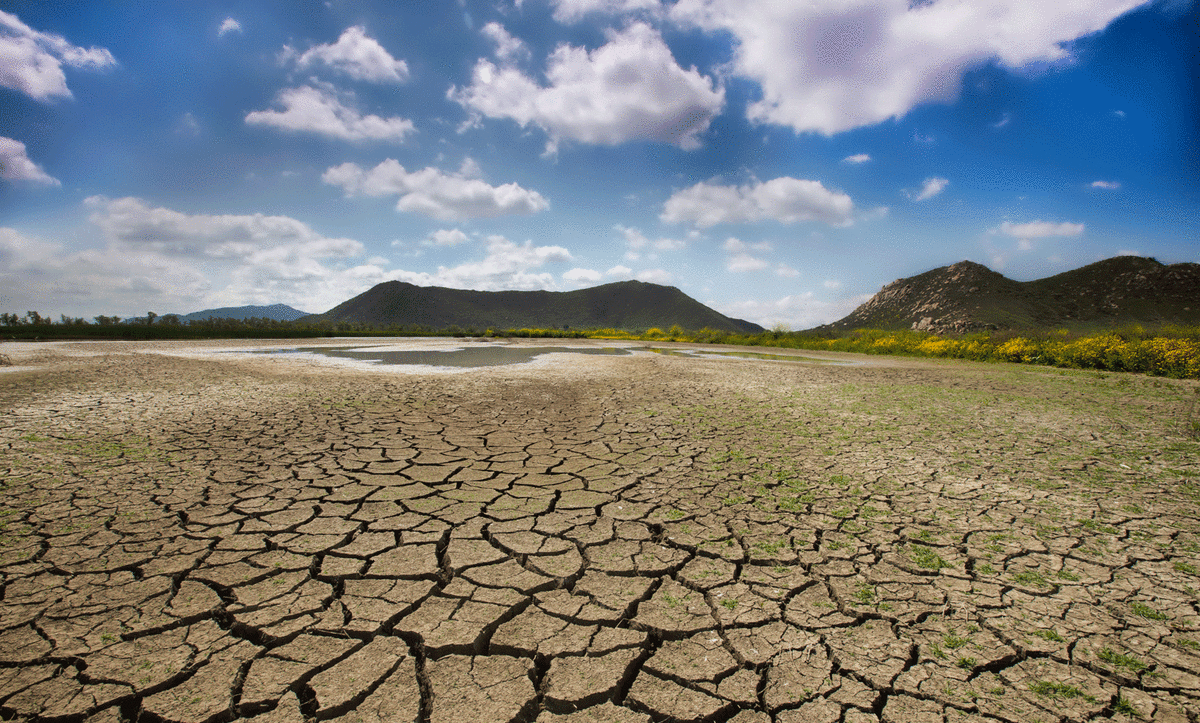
[{"x": 640, "y": 538}]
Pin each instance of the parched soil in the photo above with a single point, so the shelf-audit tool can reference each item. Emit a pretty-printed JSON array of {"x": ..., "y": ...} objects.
[{"x": 637, "y": 538}]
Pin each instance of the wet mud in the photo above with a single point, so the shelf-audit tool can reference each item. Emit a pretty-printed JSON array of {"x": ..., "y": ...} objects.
[{"x": 603, "y": 538}]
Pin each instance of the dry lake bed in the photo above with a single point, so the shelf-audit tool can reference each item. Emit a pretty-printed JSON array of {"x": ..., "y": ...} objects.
[{"x": 204, "y": 532}]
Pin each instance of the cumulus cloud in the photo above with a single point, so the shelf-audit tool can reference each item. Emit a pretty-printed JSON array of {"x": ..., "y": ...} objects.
[
  {"x": 784, "y": 199},
  {"x": 631, "y": 88},
  {"x": 740, "y": 259},
  {"x": 579, "y": 275},
  {"x": 637, "y": 242},
  {"x": 256, "y": 238},
  {"x": 856, "y": 158},
  {"x": 572, "y": 11},
  {"x": 1039, "y": 229},
  {"x": 355, "y": 53},
  {"x": 655, "y": 276},
  {"x": 745, "y": 262},
  {"x": 32, "y": 61},
  {"x": 228, "y": 25},
  {"x": 1107, "y": 185},
  {"x": 309, "y": 109},
  {"x": 830, "y": 65},
  {"x": 930, "y": 188},
  {"x": 508, "y": 265},
  {"x": 447, "y": 237},
  {"x": 507, "y": 47},
  {"x": 16, "y": 166},
  {"x": 158, "y": 258},
  {"x": 795, "y": 311},
  {"x": 620, "y": 271},
  {"x": 436, "y": 193}
]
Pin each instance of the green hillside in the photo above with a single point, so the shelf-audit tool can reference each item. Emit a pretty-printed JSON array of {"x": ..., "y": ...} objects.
[{"x": 627, "y": 305}]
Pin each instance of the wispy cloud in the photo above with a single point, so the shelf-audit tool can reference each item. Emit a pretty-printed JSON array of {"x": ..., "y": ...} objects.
[
  {"x": 16, "y": 166},
  {"x": 930, "y": 188},
  {"x": 229, "y": 25}
]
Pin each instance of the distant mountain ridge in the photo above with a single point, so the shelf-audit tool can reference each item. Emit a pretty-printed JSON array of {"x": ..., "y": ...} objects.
[
  {"x": 277, "y": 312},
  {"x": 967, "y": 296},
  {"x": 629, "y": 305}
]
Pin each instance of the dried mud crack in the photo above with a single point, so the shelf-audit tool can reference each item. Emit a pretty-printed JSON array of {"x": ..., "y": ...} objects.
[{"x": 637, "y": 538}]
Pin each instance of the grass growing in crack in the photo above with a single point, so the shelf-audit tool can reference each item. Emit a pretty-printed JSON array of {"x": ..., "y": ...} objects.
[
  {"x": 1143, "y": 610},
  {"x": 1125, "y": 708},
  {"x": 1121, "y": 660},
  {"x": 954, "y": 641},
  {"x": 926, "y": 558},
  {"x": 1186, "y": 568},
  {"x": 1049, "y": 635},
  {"x": 1061, "y": 691},
  {"x": 864, "y": 595},
  {"x": 1030, "y": 577},
  {"x": 966, "y": 663}
]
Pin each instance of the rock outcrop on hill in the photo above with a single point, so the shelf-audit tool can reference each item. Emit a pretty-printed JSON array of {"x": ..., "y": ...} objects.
[{"x": 966, "y": 297}]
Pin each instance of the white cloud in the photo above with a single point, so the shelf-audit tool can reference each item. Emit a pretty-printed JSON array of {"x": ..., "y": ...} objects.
[
  {"x": 618, "y": 270},
  {"x": 32, "y": 61},
  {"x": 637, "y": 241},
  {"x": 356, "y": 54},
  {"x": 745, "y": 262},
  {"x": 1038, "y": 229},
  {"x": 784, "y": 199},
  {"x": 795, "y": 311},
  {"x": 161, "y": 259},
  {"x": 628, "y": 89},
  {"x": 229, "y": 25},
  {"x": 582, "y": 275},
  {"x": 255, "y": 238},
  {"x": 856, "y": 158},
  {"x": 507, "y": 47},
  {"x": 833, "y": 65},
  {"x": 1004, "y": 120},
  {"x": 507, "y": 266},
  {"x": 16, "y": 166},
  {"x": 187, "y": 125},
  {"x": 929, "y": 189},
  {"x": 447, "y": 237},
  {"x": 318, "y": 110},
  {"x": 655, "y": 276},
  {"x": 433, "y": 192},
  {"x": 786, "y": 271},
  {"x": 1107, "y": 185},
  {"x": 572, "y": 11},
  {"x": 736, "y": 245}
]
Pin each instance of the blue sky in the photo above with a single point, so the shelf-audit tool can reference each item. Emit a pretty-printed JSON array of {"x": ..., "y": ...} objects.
[{"x": 779, "y": 161}]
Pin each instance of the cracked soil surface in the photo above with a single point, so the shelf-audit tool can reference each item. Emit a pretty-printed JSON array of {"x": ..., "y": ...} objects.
[{"x": 632, "y": 538}]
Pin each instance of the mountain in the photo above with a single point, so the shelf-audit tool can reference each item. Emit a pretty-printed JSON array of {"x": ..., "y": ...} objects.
[
  {"x": 969, "y": 297},
  {"x": 631, "y": 305},
  {"x": 278, "y": 312}
]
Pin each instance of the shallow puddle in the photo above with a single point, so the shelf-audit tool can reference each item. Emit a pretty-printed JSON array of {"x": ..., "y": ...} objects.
[{"x": 467, "y": 357}]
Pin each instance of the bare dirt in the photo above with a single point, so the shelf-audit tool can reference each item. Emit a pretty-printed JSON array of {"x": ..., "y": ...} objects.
[{"x": 638, "y": 538}]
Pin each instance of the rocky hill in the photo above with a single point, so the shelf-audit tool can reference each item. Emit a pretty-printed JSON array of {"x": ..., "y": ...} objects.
[
  {"x": 967, "y": 297},
  {"x": 629, "y": 305},
  {"x": 278, "y": 312}
]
